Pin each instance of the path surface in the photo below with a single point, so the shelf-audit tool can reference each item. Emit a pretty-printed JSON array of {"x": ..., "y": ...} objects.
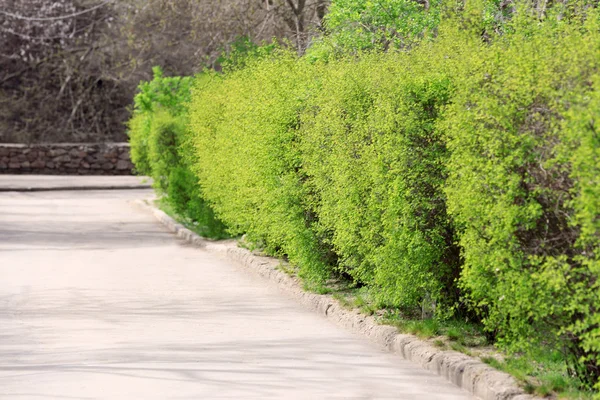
[{"x": 97, "y": 301}]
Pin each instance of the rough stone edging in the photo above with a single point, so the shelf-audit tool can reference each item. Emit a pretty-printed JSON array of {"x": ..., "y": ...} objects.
[
  {"x": 66, "y": 158},
  {"x": 465, "y": 372}
]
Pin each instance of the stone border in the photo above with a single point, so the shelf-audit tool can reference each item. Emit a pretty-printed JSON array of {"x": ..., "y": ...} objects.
[
  {"x": 465, "y": 372},
  {"x": 66, "y": 159}
]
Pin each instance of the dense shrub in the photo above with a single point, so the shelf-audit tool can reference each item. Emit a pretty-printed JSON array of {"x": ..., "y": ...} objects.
[
  {"x": 355, "y": 25},
  {"x": 375, "y": 166},
  {"x": 244, "y": 127},
  {"x": 162, "y": 94},
  {"x": 523, "y": 152},
  {"x": 581, "y": 152},
  {"x": 330, "y": 165},
  {"x": 459, "y": 175},
  {"x": 158, "y": 130}
]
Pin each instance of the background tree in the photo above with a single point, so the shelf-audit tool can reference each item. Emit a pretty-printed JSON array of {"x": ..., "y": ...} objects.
[{"x": 69, "y": 69}]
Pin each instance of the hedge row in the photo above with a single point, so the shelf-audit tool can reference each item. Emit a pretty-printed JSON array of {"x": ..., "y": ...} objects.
[
  {"x": 460, "y": 177},
  {"x": 158, "y": 130}
]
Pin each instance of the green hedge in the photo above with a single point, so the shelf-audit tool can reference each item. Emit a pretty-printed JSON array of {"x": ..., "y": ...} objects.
[
  {"x": 244, "y": 131},
  {"x": 457, "y": 178},
  {"x": 375, "y": 166},
  {"x": 158, "y": 130},
  {"x": 168, "y": 94},
  {"x": 523, "y": 153}
]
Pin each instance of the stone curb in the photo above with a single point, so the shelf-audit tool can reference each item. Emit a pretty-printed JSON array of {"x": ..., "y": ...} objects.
[
  {"x": 465, "y": 372},
  {"x": 74, "y": 188}
]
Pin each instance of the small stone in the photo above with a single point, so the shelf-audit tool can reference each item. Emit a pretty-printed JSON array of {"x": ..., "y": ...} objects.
[
  {"x": 38, "y": 164},
  {"x": 123, "y": 165},
  {"x": 50, "y": 165},
  {"x": 62, "y": 159},
  {"x": 85, "y": 165},
  {"x": 57, "y": 152},
  {"x": 3, "y": 165},
  {"x": 107, "y": 166},
  {"x": 14, "y": 165},
  {"x": 25, "y": 164},
  {"x": 112, "y": 153}
]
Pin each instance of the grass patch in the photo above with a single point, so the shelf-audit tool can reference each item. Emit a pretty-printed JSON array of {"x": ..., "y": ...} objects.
[
  {"x": 364, "y": 304},
  {"x": 286, "y": 268},
  {"x": 425, "y": 329},
  {"x": 461, "y": 348},
  {"x": 320, "y": 289},
  {"x": 463, "y": 333},
  {"x": 542, "y": 372},
  {"x": 343, "y": 301}
]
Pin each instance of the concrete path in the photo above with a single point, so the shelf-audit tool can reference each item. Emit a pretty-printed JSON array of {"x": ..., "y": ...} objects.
[{"x": 97, "y": 301}]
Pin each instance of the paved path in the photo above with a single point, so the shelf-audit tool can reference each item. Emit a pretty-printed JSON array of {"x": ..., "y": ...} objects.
[{"x": 97, "y": 301}]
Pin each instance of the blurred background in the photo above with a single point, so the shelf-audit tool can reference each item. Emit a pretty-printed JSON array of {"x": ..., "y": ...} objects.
[{"x": 69, "y": 68}]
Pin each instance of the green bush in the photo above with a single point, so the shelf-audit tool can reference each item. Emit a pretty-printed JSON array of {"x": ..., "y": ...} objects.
[
  {"x": 336, "y": 166},
  {"x": 523, "y": 153},
  {"x": 350, "y": 166},
  {"x": 165, "y": 133},
  {"x": 161, "y": 93},
  {"x": 353, "y": 26},
  {"x": 375, "y": 166},
  {"x": 158, "y": 130},
  {"x": 138, "y": 131},
  {"x": 244, "y": 131},
  {"x": 582, "y": 152},
  {"x": 455, "y": 176}
]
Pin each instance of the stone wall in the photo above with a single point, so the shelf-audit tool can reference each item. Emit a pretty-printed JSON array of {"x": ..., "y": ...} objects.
[{"x": 66, "y": 159}]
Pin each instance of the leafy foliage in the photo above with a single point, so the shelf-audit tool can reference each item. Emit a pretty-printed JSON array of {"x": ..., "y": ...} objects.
[
  {"x": 244, "y": 130},
  {"x": 375, "y": 168},
  {"x": 157, "y": 131},
  {"x": 168, "y": 94},
  {"x": 358, "y": 25},
  {"x": 519, "y": 187},
  {"x": 456, "y": 176}
]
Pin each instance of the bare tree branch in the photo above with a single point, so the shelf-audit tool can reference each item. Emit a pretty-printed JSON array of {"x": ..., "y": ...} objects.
[{"x": 61, "y": 17}]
